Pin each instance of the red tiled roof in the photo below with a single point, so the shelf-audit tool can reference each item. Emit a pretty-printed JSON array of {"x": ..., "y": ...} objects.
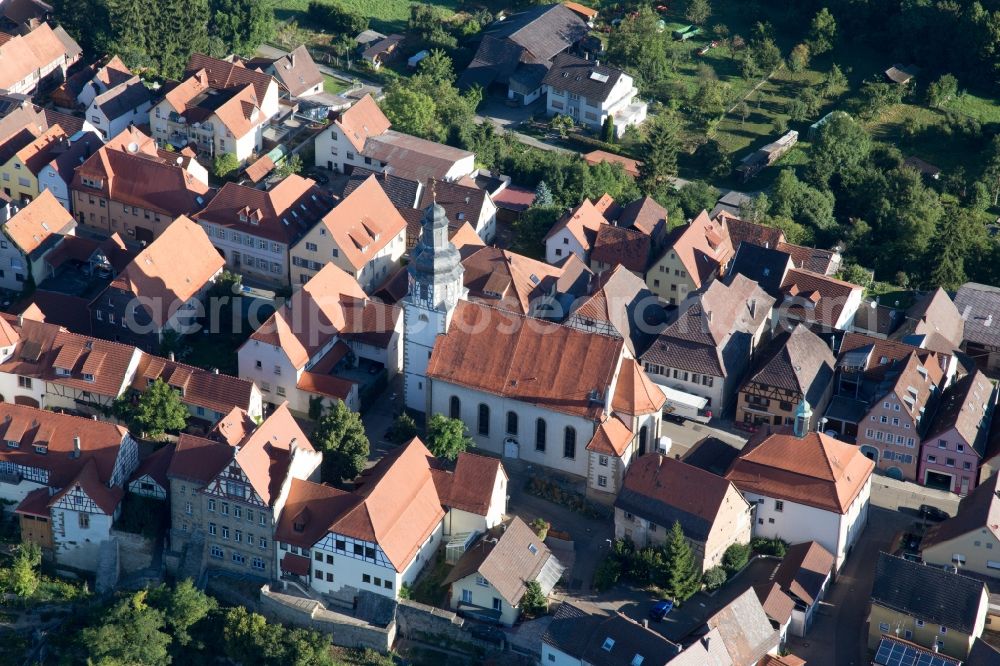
[
  {"x": 234, "y": 426},
  {"x": 89, "y": 481},
  {"x": 224, "y": 75},
  {"x": 295, "y": 564},
  {"x": 615, "y": 246},
  {"x": 814, "y": 297},
  {"x": 582, "y": 222},
  {"x": 362, "y": 120},
  {"x": 470, "y": 486},
  {"x": 216, "y": 392},
  {"x": 35, "y": 503},
  {"x": 24, "y": 54},
  {"x": 635, "y": 392},
  {"x": 39, "y": 221},
  {"x": 156, "y": 464},
  {"x": 611, "y": 437},
  {"x": 363, "y": 223},
  {"x": 525, "y": 359},
  {"x": 199, "y": 459},
  {"x": 597, "y": 156},
  {"x": 264, "y": 456},
  {"x": 703, "y": 247},
  {"x": 815, "y": 470}
]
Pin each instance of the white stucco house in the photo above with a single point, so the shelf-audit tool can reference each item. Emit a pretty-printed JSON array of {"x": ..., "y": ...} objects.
[
  {"x": 112, "y": 111},
  {"x": 589, "y": 92},
  {"x": 806, "y": 487},
  {"x": 379, "y": 537}
]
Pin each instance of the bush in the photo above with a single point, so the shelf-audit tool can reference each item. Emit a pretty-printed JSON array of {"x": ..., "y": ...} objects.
[
  {"x": 715, "y": 578},
  {"x": 541, "y": 527},
  {"x": 736, "y": 557},
  {"x": 608, "y": 573},
  {"x": 224, "y": 164},
  {"x": 534, "y": 603},
  {"x": 765, "y": 546}
]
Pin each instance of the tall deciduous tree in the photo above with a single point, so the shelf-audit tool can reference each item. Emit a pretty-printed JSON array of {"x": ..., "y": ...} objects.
[
  {"x": 131, "y": 632},
  {"x": 159, "y": 409},
  {"x": 446, "y": 437},
  {"x": 242, "y": 25},
  {"x": 340, "y": 436},
  {"x": 822, "y": 32},
  {"x": 698, "y": 11},
  {"x": 640, "y": 47},
  {"x": 682, "y": 576},
  {"x": 842, "y": 143}
]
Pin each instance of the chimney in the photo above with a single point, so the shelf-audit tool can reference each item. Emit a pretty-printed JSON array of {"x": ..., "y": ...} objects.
[
  {"x": 215, "y": 371},
  {"x": 20, "y": 320},
  {"x": 645, "y": 622},
  {"x": 291, "y": 59},
  {"x": 293, "y": 446},
  {"x": 171, "y": 355},
  {"x": 94, "y": 416},
  {"x": 76, "y": 446}
]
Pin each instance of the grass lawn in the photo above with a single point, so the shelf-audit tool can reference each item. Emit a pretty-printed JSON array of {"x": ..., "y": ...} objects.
[
  {"x": 386, "y": 15},
  {"x": 334, "y": 86}
]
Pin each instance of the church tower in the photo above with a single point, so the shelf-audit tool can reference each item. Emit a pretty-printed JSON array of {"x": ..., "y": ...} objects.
[{"x": 436, "y": 285}]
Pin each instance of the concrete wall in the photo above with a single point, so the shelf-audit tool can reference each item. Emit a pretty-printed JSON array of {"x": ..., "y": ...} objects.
[{"x": 344, "y": 630}]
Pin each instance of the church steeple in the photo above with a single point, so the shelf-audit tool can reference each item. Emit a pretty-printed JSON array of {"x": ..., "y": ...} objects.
[
  {"x": 436, "y": 280},
  {"x": 803, "y": 417}
]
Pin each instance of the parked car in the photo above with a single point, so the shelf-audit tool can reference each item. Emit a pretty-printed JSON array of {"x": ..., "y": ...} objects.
[
  {"x": 930, "y": 512},
  {"x": 485, "y": 632},
  {"x": 661, "y": 609}
]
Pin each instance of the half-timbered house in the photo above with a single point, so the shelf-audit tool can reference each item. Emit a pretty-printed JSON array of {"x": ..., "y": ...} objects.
[
  {"x": 239, "y": 492},
  {"x": 67, "y": 475},
  {"x": 150, "y": 479}
]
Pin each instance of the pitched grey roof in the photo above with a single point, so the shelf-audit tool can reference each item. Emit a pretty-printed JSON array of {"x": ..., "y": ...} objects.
[
  {"x": 765, "y": 266},
  {"x": 586, "y": 78},
  {"x": 123, "y": 98},
  {"x": 746, "y": 632},
  {"x": 609, "y": 640},
  {"x": 983, "y": 654},
  {"x": 979, "y": 306},
  {"x": 927, "y": 593},
  {"x": 800, "y": 361},
  {"x": 402, "y": 192},
  {"x": 543, "y": 31}
]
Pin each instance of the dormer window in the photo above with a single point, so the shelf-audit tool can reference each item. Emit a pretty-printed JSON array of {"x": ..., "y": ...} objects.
[
  {"x": 13, "y": 444},
  {"x": 87, "y": 377},
  {"x": 41, "y": 449},
  {"x": 299, "y": 526},
  {"x": 62, "y": 372}
]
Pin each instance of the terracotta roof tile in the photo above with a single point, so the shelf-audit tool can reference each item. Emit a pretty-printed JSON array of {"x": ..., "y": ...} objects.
[
  {"x": 156, "y": 464},
  {"x": 583, "y": 223},
  {"x": 775, "y": 602},
  {"x": 362, "y": 120},
  {"x": 199, "y": 459},
  {"x": 507, "y": 280},
  {"x": 171, "y": 269},
  {"x": 804, "y": 569},
  {"x": 42, "y": 220},
  {"x": 24, "y": 54},
  {"x": 635, "y": 392},
  {"x": 257, "y": 171},
  {"x": 742, "y": 231},
  {"x": 615, "y": 246},
  {"x": 363, "y": 223},
  {"x": 814, "y": 470},
  {"x": 42, "y": 150},
  {"x": 824, "y": 262},
  {"x": 310, "y": 509},
  {"x": 218, "y": 393},
  {"x": 611, "y": 437},
  {"x": 470, "y": 486},
  {"x": 524, "y": 359},
  {"x": 224, "y": 75},
  {"x": 297, "y": 72},
  {"x": 100, "y": 443},
  {"x": 234, "y": 426},
  {"x": 412, "y": 157},
  {"x": 265, "y": 454},
  {"x": 703, "y": 248},
  {"x": 89, "y": 481},
  {"x": 814, "y": 297},
  {"x": 597, "y": 156}
]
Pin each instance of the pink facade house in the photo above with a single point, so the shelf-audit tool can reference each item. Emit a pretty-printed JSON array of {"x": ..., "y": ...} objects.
[{"x": 956, "y": 440}]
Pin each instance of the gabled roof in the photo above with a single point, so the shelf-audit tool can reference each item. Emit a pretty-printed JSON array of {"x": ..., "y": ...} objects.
[
  {"x": 40, "y": 152},
  {"x": 966, "y": 406},
  {"x": 804, "y": 569},
  {"x": 743, "y": 231},
  {"x": 542, "y": 31},
  {"x": 800, "y": 362},
  {"x": 815, "y": 470},
  {"x": 24, "y": 54},
  {"x": 364, "y": 119},
  {"x": 397, "y": 504},
  {"x": 696, "y": 339},
  {"x": 767, "y": 267},
  {"x": 702, "y": 246},
  {"x": 171, "y": 269},
  {"x": 927, "y": 593},
  {"x": 635, "y": 392},
  {"x": 814, "y": 297},
  {"x": 39, "y": 224},
  {"x": 265, "y": 455},
  {"x": 470, "y": 486},
  {"x": 583, "y": 634},
  {"x": 934, "y": 314},
  {"x": 224, "y": 75},
  {"x": 233, "y": 427},
  {"x": 54, "y": 433},
  {"x": 363, "y": 223},
  {"x": 507, "y": 280},
  {"x": 509, "y": 557},
  {"x": 215, "y": 392},
  {"x": 824, "y": 262},
  {"x": 123, "y": 98},
  {"x": 402, "y": 192},
  {"x": 73, "y": 153},
  {"x": 582, "y": 222},
  {"x": 611, "y": 437},
  {"x": 284, "y": 213},
  {"x": 979, "y": 305},
  {"x": 132, "y": 172},
  {"x": 296, "y": 71},
  {"x": 644, "y": 215},
  {"x": 412, "y": 157},
  {"x": 309, "y": 510},
  {"x": 89, "y": 481},
  {"x": 586, "y": 78},
  {"x": 199, "y": 459},
  {"x": 545, "y": 364},
  {"x": 979, "y": 510},
  {"x": 622, "y": 246},
  {"x": 330, "y": 302},
  {"x": 156, "y": 464},
  {"x": 461, "y": 203},
  {"x": 745, "y": 629},
  {"x": 622, "y": 299},
  {"x": 664, "y": 490},
  {"x": 630, "y": 166}
]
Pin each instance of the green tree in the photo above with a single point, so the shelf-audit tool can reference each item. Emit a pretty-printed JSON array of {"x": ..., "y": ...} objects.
[
  {"x": 438, "y": 67},
  {"x": 714, "y": 578},
  {"x": 640, "y": 47},
  {"x": 697, "y": 196},
  {"x": 242, "y": 25},
  {"x": 743, "y": 111},
  {"x": 877, "y": 96},
  {"x": 841, "y": 144},
  {"x": 607, "y": 178},
  {"x": 562, "y": 124},
  {"x": 340, "y": 436},
  {"x": 834, "y": 83},
  {"x": 822, "y": 32},
  {"x": 224, "y": 165},
  {"x": 446, "y": 437},
  {"x": 736, "y": 557},
  {"x": 131, "y": 632},
  {"x": 404, "y": 428},
  {"x": 798, "y": 59},
  {"x": 410, "y": 111},
  {"x": 22, "y": 577},
  {"x": 336, "y": 18},
  {"x": 184, "y": 606},
  {"x": 942, "y": 90},
  {"x": 698, "y": 11},
  {"x": 290, "y": 165},
  {"x": 713, "y": 159},
  {"x": 855, "y": 274},
  {"x": 608, "y": 134},
  {"x": 660, "y": 157},
  {"x": 682, "y": 576},
  {"x": 530, "y": 230},
  {"x": 159, "y": 409},
  {"x": 534, "y": 602},
  {"x": 907, "y": 213}
]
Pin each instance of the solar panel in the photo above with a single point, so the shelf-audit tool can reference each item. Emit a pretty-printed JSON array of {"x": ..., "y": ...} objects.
[{"x": 897, "y": 653}]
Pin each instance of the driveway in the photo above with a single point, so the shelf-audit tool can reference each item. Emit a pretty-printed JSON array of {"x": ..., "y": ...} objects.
[
  {"x": 840, "y": 634},
  {"x": 379, "y": 418}
]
